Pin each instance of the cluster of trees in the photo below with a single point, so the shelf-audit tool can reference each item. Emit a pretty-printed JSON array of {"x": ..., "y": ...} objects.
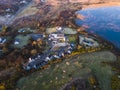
[{"x": 34, "y": 48}]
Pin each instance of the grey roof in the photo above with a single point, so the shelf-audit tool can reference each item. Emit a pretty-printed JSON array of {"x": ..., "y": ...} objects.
[
  {"x": 37, "y": 36},
  {"x": 37, "y": 60}
]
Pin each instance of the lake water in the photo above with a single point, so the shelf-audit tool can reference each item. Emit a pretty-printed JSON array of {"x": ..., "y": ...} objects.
[{"x": 104, "y": 22}]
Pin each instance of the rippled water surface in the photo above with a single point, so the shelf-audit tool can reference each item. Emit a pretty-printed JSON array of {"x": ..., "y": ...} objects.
[{"x": 104, "y": 21}]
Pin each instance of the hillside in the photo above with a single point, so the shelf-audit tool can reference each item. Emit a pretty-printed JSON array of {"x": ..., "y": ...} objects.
[{"x": 79, "y": 66}]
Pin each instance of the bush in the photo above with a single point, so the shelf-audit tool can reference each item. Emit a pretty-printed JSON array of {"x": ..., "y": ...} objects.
[
  {"x": 115, "y": 82},
  {"x": 2, "y": 87},
  {"x": 92, "y": 80}
]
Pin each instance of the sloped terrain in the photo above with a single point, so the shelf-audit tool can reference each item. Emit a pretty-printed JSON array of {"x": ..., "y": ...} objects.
[{"x": 79, "y": 66}]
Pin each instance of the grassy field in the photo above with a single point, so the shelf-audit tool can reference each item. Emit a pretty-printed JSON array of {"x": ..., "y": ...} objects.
[
  {"x": 23, "y": 40},
  {"x": 57, "y": 75}
]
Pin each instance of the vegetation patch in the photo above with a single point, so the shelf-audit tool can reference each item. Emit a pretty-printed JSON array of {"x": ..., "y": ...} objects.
[
  {"x": 103, "y": 75},
  {"x": 22, "y": 39},
  {"x": 69, "y": 31},
  {"x": 72, "y": 38},
  {"x": 115, "y": 82}
]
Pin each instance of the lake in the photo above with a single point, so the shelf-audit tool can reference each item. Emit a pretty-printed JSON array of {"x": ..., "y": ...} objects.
[{"x": 104, "y": 21}]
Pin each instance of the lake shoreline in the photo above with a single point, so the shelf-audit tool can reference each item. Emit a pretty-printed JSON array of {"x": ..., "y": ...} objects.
[
  {"x": 114, "y": 49},
  {"x": 99, "y": 5}
]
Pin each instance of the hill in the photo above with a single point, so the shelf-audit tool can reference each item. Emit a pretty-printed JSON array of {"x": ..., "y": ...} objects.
[{"x": 80, "y": 66}]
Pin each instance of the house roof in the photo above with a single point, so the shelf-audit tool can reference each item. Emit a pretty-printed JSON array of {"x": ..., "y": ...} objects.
[
  {"x": 37, "y": 59},
  {"x": 57, "y": 33},
  {"x": 2, "y": 40},
  {"x": 37, "y": 36},
  {"x": 35, "y": 62}
]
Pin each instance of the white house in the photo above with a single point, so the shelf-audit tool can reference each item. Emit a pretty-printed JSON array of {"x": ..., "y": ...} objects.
[
  {"x": 56, "y": 36},
  {"x": 2, "y": 40},
  {"x": 23, "y": 2},
  {"x": 87, "y": 41},
  {"x": 16, "y": 42},
  {"x": 59, "y": 29},
  {"x": 59, "y": 44}
]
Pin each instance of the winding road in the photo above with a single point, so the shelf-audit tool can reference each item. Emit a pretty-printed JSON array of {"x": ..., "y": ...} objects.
[{"x": 9, "y": 21}]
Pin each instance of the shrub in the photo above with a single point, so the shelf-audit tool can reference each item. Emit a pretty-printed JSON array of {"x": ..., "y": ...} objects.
[
  {"x": 115, "y": 82},
  {"x": 2, "y": 87},
  {"x": 92, "y": 80}
]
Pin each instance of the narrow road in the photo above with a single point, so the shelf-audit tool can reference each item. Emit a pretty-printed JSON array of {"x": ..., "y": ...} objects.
[{"x": 9, "y": 21}]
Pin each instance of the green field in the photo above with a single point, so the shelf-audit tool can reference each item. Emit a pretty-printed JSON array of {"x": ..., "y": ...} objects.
[
  {"x": 23, "y": 39},
  {"x": 57, "y": 75}
]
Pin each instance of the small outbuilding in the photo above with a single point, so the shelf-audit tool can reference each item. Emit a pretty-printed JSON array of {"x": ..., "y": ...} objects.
[
  {"x": 36, "y": 37},
  {"x": 87, "y": 41},
  {"x": 2, "y": 40}
]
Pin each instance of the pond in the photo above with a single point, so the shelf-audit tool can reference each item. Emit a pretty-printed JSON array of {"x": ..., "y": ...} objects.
[{"x": 104, "y": 21}]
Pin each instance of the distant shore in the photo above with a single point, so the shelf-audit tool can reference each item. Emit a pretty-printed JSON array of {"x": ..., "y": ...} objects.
[{"x": 101, "y": 5}]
